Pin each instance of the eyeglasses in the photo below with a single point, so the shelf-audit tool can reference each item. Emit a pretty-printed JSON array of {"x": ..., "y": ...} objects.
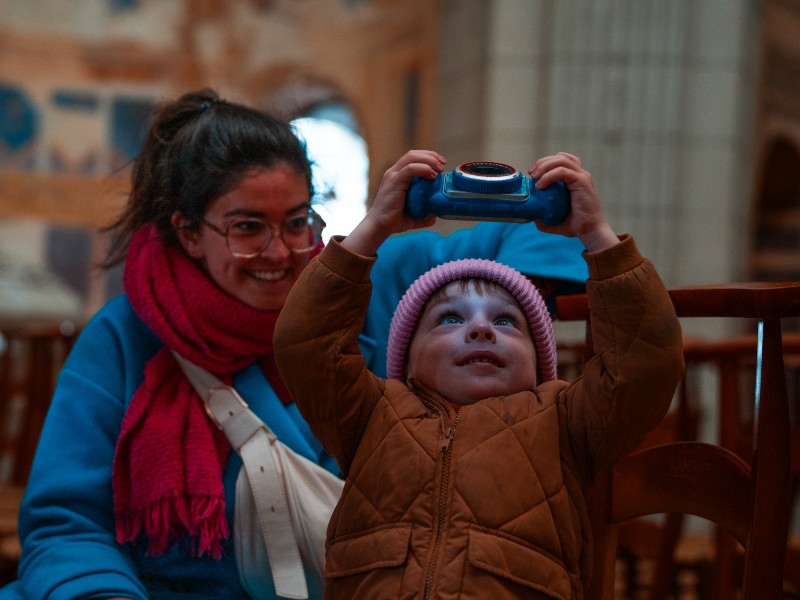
[{"x": 247, "y": 237}]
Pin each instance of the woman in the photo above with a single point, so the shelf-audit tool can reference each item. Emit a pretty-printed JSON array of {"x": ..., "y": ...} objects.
[
  {"x": 132, "y": 490},
  {"x": 130, "y": 494}
]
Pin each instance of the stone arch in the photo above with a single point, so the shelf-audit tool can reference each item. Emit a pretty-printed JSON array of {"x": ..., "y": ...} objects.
[{"x": 290, "y": 90}]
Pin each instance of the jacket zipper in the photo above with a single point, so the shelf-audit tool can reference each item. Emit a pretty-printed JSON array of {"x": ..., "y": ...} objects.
[{"x": 448, "y": 432}]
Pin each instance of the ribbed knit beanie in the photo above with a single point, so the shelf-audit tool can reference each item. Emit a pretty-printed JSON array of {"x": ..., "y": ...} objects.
[{"x": 411, "y": 305}]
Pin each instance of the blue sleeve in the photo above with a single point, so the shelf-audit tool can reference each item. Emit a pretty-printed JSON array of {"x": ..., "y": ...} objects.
[
  {"x": 67, "y": 526},
  {"x": 403, "y": 258}
]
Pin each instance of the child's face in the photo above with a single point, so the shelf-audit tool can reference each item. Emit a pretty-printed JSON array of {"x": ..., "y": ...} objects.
[{"x": 471, "y": 345}]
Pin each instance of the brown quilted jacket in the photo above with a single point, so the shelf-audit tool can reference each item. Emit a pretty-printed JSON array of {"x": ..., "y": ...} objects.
[{"x": 490, "y": 502}]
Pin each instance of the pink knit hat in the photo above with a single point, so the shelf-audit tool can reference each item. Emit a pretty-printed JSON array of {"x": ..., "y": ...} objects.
[{"x": 409, "y": 311}]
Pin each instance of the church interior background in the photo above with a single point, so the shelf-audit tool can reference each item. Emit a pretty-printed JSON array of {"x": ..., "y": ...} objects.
[{"x": 687, "y": 114}]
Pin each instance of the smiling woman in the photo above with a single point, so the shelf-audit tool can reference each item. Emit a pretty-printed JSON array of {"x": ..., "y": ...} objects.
[{"x": 152, "y": 485}]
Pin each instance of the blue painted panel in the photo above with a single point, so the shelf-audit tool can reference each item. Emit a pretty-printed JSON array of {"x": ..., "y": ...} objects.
[
  {"x": 118, "y": 6},
  {"x": 129, "y": 122},
  {"x": 19, "y": 119},
  {"x": 74, "y": 100}
]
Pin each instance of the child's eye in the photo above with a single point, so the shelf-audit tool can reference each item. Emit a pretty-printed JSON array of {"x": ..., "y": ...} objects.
[
  {"x": 505, "y": 322},
  {"x": 450, "y": 319}
]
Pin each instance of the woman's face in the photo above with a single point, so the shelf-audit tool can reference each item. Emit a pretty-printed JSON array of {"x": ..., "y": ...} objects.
[{"x": 271, "y": 195}]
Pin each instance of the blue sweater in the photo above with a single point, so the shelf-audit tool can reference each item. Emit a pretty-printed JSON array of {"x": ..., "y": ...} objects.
[{"x": 67, "y": 518}]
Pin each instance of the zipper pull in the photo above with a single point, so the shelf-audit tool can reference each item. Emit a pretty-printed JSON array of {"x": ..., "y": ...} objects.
[{"x": 448, "y": 437}]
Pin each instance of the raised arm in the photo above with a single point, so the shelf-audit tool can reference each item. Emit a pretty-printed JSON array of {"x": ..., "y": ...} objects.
[
  {"x": 316, "y": 334},
  {"x": 628, "y": 385},
  {"x": 585, "y": 220},
  {"x": 386, "y": 216}
]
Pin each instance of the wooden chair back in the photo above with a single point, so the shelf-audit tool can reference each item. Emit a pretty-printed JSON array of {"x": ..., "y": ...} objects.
[
  {"x": 734, "y": 360},
  {"x": 31, "y": 355},
  {"x": 646, "y": 547},
  {"x": 751, "y": 500}
]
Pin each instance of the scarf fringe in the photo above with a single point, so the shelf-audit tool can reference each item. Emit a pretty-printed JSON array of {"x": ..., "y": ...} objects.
[
  {"x": 167, "y": 520},
  {"x": 210, "y": 526}
]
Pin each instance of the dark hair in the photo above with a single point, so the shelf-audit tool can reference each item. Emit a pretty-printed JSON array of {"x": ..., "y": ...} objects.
[{"x": 197, "y": 149}]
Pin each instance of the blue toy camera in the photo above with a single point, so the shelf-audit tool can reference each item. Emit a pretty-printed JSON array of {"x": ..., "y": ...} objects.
[{"x": 487, "y": 191}]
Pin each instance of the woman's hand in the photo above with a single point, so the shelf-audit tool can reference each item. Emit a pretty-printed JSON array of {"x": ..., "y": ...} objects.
[
  {"x": 387, "y": 216},
  {"x": 585, "y": 220}
]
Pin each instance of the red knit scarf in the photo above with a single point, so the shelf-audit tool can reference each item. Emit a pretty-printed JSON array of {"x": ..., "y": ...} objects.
[{"x": 167, "y": 478}]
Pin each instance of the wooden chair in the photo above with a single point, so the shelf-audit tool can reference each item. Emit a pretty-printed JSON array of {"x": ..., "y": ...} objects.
[
  {"x": 648, "y": 540},
  {"x": 734, "y": 359},
  {"x": 751, "y": 500},
  {"x": 31, "y": 355}
]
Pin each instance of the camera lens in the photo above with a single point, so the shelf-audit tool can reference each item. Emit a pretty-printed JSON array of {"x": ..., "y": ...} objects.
[
  {"x": 487, "y": 169},
  {"x": 486, "y": 177}
]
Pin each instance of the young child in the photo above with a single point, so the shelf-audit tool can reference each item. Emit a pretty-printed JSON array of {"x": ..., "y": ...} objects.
[{"x": 467, "y": 471}]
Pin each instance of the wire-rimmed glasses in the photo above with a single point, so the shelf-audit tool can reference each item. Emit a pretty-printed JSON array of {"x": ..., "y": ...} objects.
[{"x": 247, "y": 237}]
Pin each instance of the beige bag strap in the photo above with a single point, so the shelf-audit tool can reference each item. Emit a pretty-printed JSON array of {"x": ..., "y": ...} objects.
[{"x": 253, "y": 440}]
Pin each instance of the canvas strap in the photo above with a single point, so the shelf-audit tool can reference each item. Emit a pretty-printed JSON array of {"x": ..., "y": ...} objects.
[{"x": 252, "y": 439}]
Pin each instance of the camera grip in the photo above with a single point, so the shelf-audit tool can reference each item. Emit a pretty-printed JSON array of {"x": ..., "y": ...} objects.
[
  {"x": 420, "y": 190},
  {"x": 552, "y": 203}
]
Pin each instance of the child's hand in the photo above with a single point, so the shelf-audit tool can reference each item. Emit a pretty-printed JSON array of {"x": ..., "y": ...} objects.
[
  {"x": 585, "y": 220},
  {"x": 387, "y": 216}
]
